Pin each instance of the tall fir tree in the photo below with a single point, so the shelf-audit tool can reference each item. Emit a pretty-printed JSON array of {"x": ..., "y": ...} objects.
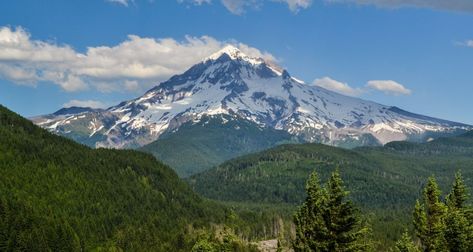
[
  {"x": 327, "y": 221},
  {"x": 429, "y": 219},
  {"x": 459, "y": 194},
  {"x": 342, "y": 218},
  {"x": 458, "y": 232},
  {"x": 310, "y": 229}
]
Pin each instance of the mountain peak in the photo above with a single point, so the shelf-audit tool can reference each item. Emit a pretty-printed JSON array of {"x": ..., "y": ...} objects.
[
  {"x": 234, "y": 54},
  {"x": 229, "y": 50}
]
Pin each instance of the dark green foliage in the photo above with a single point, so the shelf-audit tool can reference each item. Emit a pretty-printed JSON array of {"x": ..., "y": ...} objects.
[
  {"x": 459, "y": 194},
  {"x": 429, "y": 218},
  {"x": 309, "y": 223},
  {"x": 458, "y": 231},
  {"x": 327, "y": 221},
  {"x": 23, "y": 229},
  {"x": 458, "y": 219},
  {"x": 342, "y": 219},
  {"x": 196, "y": 147},
  {"x": 57, "y": 195}
]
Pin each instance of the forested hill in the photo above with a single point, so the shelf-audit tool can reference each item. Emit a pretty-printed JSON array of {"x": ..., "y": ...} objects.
[
  {"x": 57, "y": 195},
  {"x": 378, "y": 177}
]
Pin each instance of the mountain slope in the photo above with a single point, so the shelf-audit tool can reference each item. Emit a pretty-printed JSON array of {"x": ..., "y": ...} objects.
[
  {"x": 58, "y": 195},
  {"x": 197, "y": 146},
  {"x": 233, "y": 84}
]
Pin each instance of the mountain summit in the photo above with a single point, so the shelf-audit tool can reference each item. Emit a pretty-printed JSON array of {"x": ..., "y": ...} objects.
[{"x": 231, "y": 84}]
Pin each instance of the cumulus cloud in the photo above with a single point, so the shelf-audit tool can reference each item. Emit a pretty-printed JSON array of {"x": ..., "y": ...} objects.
[
  {"x": 452, "y": 5},
  {"x": 84, "y": 104},
  {"x": 337, "y": 86},
  {"x": 388, "y": 87},
  {"x": 238, "y": 7},
  {"x": 136, "y": 63}
]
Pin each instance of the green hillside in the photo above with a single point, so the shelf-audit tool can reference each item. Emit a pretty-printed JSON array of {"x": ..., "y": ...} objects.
[
  {"x": 376, "y": 176},
  {"x": 57, "y": 195},
  {"x": 199, "y": 146},
  {"x": 383, "y": 181}
]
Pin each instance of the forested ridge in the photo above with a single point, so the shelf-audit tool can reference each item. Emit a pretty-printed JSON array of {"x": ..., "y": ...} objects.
[{"x": 58, "y": 195}]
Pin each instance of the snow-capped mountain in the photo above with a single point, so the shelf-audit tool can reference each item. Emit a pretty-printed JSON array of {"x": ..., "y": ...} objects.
[{"x": 246, "y": 88}]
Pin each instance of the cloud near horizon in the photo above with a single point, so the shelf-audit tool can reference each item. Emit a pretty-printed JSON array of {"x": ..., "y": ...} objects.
[
  {"x": 134, "y": 64},
  {"x": 337, "y": 86},
  {"x": 388, "y": 87},
  {"x": 84, "y": 104}
]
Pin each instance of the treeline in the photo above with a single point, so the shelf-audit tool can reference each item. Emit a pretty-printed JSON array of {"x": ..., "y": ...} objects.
[{"x": 329, "y": 221}]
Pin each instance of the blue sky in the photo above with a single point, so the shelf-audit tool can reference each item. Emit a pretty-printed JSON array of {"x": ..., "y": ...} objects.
[{"x": 414, "y": 54}]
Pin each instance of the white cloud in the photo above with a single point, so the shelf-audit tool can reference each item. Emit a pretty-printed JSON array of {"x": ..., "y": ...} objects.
[
  {"x": 18, "y": 74},
  {"x": 337, "y": 86},
  {"x": 388, "y": 87},
  {"x": 84, "y": 104},
  {"x": 122, "y": 2},
  {"x": 452, "y": 5},
  {"x": 134, "y": 63},
  {"x": 469, "y": 43}
]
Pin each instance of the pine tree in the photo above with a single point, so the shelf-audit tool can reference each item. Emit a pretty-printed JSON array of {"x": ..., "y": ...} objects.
[
  {"x": 342, "y": 218},
  {"x": 459, "y": 194},
  {"x": 405, "y": 244},
  {"x": 458, "y": 231},
  {"x": 327, "y": 221},
  {"x": 310, "y": 229},
  {"x": 429, "y": 218}
]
